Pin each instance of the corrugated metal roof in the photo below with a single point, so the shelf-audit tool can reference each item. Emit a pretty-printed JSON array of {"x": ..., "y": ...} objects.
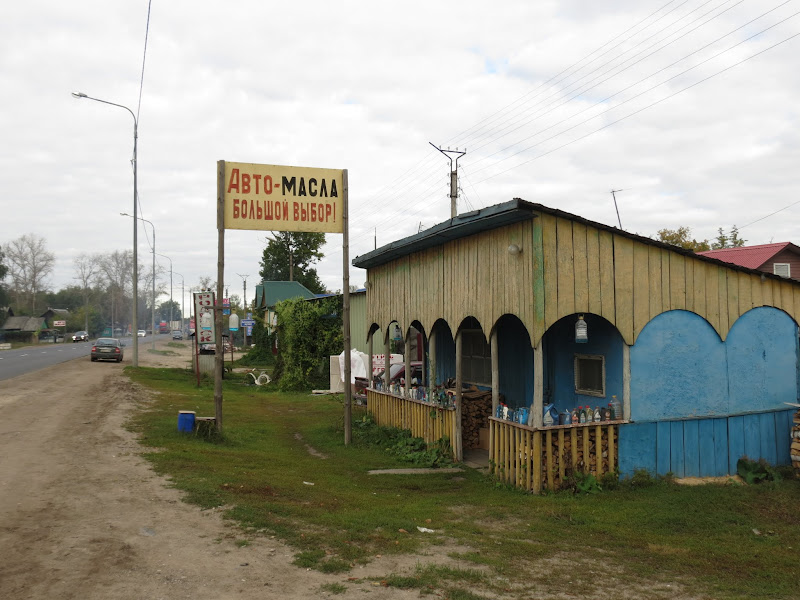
[
  {"x": 23, "y": 324},
  {"x": 269, "y": 293},
  {"x": 461, "y": 226},
  {"x": 751, "y": 257}
]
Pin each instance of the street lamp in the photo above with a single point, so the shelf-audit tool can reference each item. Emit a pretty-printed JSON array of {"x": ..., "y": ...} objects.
[
  {"x": 170, "y": 284},
  {"x": 134, "y": 322},
  {"x": 153, "y": 308}
]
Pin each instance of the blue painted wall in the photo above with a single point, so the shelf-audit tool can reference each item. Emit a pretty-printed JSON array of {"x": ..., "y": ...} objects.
[
  {"x": 762, "y": 360},
  {"x": 701, "y": 404},
  {"x": 559, "y": 361},
  {"x": 705, "y": 447},
  {"x": 516, "y": 362},
  {"x": 680, "y": 368}
]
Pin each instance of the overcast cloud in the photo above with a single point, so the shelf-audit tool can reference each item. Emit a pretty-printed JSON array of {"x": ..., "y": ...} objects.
[{"x": 555, "y": 102}]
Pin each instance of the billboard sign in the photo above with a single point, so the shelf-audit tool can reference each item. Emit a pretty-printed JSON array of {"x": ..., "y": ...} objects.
[
  {"x": 59, "y": 323},
  {"x": 278, "y": 198},
  {"x": 204, "y": 313}
]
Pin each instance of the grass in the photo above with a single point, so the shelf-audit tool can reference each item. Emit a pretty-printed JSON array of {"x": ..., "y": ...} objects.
[{"x": 642, "y": 532}]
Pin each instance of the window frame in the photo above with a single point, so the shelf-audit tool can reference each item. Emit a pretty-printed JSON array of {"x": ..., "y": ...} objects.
[
  {"x": 465, "y": 358},
  {"x": 788, "y": 269},
  {"x": 601, "y": 393}
]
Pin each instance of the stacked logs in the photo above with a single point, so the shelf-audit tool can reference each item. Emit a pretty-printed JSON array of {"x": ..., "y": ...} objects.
[
  {"x": 795, "y": 450},
  {"x": 475, "y": 412},
  {"x": 565, "y": 463}
]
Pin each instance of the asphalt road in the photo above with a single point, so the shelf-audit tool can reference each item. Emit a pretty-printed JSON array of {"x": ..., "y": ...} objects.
[{"x": 31, "y": 358}]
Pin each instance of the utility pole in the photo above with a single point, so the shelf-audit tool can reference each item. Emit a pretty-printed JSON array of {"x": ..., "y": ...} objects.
[
  {"x": 614, "y": 195},
  {"x": 244, "y": 282},
  {"x": 453, "y": 175}
]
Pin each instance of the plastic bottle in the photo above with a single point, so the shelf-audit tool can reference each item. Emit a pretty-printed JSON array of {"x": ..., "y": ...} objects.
[
  {"x": 583, "y": 414},
  {"x": 617, "y": 408},
  {"x": 573, "y": 415},
  {"x": 597, "y": 418}
]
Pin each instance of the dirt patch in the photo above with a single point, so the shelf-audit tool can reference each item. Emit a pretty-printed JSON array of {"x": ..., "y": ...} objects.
[{"x": 83, "y": 516}]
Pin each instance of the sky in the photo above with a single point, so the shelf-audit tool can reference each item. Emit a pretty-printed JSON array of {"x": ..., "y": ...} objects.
[{"x": 690, "y": 108}]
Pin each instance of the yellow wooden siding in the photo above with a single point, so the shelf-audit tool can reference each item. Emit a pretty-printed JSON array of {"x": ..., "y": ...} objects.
[{"x": 564, "y": 268}]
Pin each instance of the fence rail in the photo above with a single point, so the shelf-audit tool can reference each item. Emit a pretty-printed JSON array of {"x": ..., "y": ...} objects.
[
  {"x": 424, "y": 420},
  {"x": 535, "y": 459}
]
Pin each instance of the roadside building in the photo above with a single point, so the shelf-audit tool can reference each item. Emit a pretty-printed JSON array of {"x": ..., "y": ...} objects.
[{"x": 544, "y": 312}]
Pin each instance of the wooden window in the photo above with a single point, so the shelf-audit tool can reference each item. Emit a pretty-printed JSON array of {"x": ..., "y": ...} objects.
[
  {"x": 476, "y": 357},
  {"x": 782, "y": 269},
  {"x": 590, "y": 375}
]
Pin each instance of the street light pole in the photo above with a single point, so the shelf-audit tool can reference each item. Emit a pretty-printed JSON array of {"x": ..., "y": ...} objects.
[
  {"x": 153, "y": 307},
  {"x": 134, "y": 321},
  {"x": 170, "y": 287}
]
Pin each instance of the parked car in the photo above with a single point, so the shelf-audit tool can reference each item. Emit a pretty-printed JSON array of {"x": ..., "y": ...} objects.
[
  {"x": 177, "y": 334},
  {"x": 107, "y": 349},
  {"x": 80, "y": 336},
  {"x": 141, "y": 333},
  {"x": 397, "y": 372}
]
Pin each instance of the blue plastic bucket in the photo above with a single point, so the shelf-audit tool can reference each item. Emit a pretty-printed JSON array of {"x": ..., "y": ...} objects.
[{"x": 186, "y": 420}]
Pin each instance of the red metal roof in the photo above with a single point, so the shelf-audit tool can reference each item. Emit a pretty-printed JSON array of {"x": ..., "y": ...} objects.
[{"x": 751, "y": 257}]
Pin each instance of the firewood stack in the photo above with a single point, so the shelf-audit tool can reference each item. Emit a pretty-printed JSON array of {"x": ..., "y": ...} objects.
[
  {"x": 475, "y": 412},
  {"x": 564, "y": 453},
  {"x": 795, "y": 451}
]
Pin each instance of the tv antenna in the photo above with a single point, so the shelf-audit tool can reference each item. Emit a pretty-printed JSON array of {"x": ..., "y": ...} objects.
[{"x": 614, "y": 195}]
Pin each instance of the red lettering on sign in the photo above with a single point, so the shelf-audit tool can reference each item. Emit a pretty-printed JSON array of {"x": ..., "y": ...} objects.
[
  {"x": 267, "y": 184},
  {"x": 296, "y": 213},
  {"x": 235, "y": 208},
  {"x": 259, "y": 211},
  {"x": 313, "y": 212},
  {"x": 327, "y": 211},
  {"x": 245, "y": 183},
  {"x": 256, "y": 178},
  {"x": 268, "y": 214},
  {"x": 285, "y": 210},
  {"x": 252, "y": 214},
  {"x": 233, "y": 184}
]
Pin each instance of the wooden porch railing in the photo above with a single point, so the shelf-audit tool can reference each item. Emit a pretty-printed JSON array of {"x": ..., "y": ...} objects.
[
  {"x": 424, "y": 420},
  {"x": 535, "y": 459}
]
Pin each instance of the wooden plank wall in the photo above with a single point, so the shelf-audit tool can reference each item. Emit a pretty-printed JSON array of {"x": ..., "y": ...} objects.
[{"x": 565, "y": 268}]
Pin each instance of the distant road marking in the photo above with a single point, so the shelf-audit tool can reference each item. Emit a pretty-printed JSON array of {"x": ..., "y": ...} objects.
[{"x": 23, "y": 355}]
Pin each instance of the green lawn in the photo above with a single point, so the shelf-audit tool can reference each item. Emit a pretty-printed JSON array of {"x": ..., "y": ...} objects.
[{"x": 336, "y": 515}]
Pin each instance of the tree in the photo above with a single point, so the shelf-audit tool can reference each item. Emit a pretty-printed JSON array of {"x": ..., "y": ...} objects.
[
  {"x": 87, "y": 270},
  {"x": 288, "y": 256},
  {"x": 3, "y": 271},
  {"x": 30, "y": 264},
  {"x": 728, "y": 240},
  {"x": 680, "y": 237},
  {"x": 169, "y": 308},
  {"x": 117, "y": 273}
]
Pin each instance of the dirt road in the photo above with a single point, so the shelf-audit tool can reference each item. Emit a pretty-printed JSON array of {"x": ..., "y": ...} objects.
[{"x": 83, "y": 516}]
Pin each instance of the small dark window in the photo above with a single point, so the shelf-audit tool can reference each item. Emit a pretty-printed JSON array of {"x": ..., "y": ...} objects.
[{"x": 590, "y": 375}]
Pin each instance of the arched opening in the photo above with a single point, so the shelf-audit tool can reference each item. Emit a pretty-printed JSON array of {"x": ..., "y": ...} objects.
[{"x": 579, "y": 373}]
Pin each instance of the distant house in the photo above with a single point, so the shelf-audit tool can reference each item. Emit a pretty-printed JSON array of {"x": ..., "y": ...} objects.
[
  {"x": 54, "y": 314},
  {"x": 781, "y": 259},
  {"x": 23, "y": 329},
  {"x": 269, "y": 293}
]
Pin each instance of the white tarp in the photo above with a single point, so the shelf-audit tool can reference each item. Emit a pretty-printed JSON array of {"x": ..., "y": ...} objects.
[{"x": 358, "y": 365}]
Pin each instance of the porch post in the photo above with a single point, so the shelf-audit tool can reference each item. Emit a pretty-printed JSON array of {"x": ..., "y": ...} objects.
[
  {"x": 407, "y": 360},
  {"x": 495, "y": 372},
  {"x": 369, "y": 360},
  {"x": 535, "y": 418},
  {"x": 386, "y": 359},
  {"x": 459, "y": 454},
  {"x": 626, "y": 381},
  {"x": 431, "y": 381}
]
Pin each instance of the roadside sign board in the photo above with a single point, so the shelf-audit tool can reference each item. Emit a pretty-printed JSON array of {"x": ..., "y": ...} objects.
[
  {"x": 247, "y": 322},
  {"x": 226, "y": 302},
  {"x": 59, "y": 323},
  {"x": 204, "y": 311},
  {"x": 280, "y": 198}
]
